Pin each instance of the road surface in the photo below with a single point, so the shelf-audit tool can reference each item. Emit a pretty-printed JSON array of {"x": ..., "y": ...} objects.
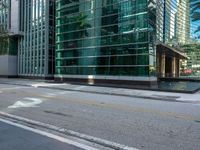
[
  {"x": 15, "y": 138},
  {"x": 140, "y": 123}
]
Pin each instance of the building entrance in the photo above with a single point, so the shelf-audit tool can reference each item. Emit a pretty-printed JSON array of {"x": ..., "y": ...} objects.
[{"x": 168, "y": 61}]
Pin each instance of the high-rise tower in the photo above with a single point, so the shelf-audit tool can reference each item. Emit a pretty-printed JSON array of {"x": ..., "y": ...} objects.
[
  {"x": 10, "y": 32},
  {"x": 105, "y": 39},
  {"x": 36, "y": 47}
]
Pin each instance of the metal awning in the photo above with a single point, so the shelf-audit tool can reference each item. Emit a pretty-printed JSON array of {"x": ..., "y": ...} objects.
[{"x": 170, "y": 51}]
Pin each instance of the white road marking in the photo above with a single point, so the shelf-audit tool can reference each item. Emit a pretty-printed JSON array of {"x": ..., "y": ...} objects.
[
  {"x": 47, "y": 96},
  {"x": 46, "y": 85},
  {"x": 32, "y": 102},
  {"x": 65, "y": 92},
  {"x": 79, "y": 87},
  {"x": 70, "y": 132},
  {"x": 49, "y": 135},
  {"x": 14, "y": 88},
  {"x": 50, "y": 95}
]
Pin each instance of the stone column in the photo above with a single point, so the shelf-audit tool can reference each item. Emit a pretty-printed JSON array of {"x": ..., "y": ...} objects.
[
  {"x": 158, "y": 64},
  {"x": 163, "y": 65},
  {"x": 174, "y": 73},
  {"x": 178, "y": 67}
]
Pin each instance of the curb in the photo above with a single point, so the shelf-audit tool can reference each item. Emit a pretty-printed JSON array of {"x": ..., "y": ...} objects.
[
  {"x": 89, "y": 138},
  {"x": 94, "y": 92},
  {"x": 114, "y": 94},
  {"x": 162, "y": 98}
]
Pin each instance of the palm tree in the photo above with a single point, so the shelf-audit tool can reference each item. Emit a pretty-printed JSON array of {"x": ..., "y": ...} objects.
[{"x": 195, "y": 12}]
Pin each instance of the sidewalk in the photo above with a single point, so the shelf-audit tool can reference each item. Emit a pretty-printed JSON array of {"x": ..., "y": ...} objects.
[{"x": 155, "y": 95}]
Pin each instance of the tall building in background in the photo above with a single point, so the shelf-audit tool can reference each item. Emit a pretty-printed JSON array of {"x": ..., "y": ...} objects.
[
  {"x": 105, "y": 39},
  {"x": 176, "y": 22},
  {"x": 10, "y": 24},
  {"x": 183, "y": 19},
  {"x": 176, "y": 29},
  {"x": 36, "y": 46}
]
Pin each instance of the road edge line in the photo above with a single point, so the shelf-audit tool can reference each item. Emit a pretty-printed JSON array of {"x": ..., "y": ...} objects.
[
  {"x": 89, "y": 138},
  {"x": 49, "y": 135}
]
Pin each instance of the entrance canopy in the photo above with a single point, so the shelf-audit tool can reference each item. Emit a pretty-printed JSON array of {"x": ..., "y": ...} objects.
[{"x": 170, "y": 51}]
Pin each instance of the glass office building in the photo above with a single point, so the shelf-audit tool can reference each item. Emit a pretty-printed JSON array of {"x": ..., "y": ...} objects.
[
  {"x": 105, "y": 38},
  {"x": 36, "y": 46},
  {"x": 4, "y": 25},
  {"x": 9, "y": 27},
  {"x": 9, "y": 34},
  {"x": 176, "y": 22}
]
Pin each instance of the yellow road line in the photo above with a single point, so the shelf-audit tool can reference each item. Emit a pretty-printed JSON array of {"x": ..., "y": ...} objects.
[{"x": 122, "y": 107}]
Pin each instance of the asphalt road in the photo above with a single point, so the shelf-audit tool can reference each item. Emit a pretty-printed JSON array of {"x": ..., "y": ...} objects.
[
  {"x": 141, "y": 123},
  {"x": 15, "y": 138}
]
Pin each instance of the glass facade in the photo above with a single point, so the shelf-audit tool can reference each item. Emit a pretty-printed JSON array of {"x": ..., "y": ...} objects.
[
  {"x": 105, "y": 37},
  {"x": 36, "y": 47},
  {"x": 4, "y": 48},
  {"x": 176, "y": 22},
  {"x": 4, "y": 13},
  {"x": 8, "y": 46},
  {"x": 8, "y": 43}
]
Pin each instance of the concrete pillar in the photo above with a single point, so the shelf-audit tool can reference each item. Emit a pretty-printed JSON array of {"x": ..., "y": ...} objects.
[
  {"x": 163, "y": 65},
  {"x": 178, "y": 67},
  {"x": 174, "y": 73},
  {"x": 158, "y": 64}
]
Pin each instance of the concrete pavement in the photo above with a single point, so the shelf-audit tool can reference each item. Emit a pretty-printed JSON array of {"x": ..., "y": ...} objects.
[{"x": 155, "y": 95}]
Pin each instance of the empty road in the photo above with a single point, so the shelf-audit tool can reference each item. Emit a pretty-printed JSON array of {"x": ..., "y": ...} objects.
[{"x": 139, "y": 123}]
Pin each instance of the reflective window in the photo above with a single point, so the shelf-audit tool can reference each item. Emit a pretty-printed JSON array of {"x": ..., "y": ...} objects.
[{"x": 103, "y": 37}]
